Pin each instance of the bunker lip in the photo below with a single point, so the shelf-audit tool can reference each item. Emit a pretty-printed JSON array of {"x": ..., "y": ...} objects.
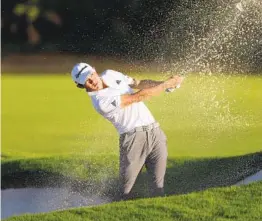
[
  {"x": 33, "y": 179},
  {"x": 14, "y": 176},
  {"x": 43, "y": 179}
]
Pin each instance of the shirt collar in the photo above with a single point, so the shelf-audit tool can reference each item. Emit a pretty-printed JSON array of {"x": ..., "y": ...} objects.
[
  {"x": 92, "y": 93},
  {"x": 102, "y": 91}
]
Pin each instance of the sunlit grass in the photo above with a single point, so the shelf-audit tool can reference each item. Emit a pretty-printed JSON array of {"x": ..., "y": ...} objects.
[{"x": 46, "y": 115}]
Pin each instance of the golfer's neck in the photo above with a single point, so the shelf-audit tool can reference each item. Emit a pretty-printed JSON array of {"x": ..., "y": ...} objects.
[{"x": 104, "y": 85}]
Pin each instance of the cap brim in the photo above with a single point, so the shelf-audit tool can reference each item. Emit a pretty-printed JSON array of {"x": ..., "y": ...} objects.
[{"x": 83, "y": 77}]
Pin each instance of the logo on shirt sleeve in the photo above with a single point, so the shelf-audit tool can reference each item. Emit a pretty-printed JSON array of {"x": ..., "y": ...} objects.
[
  {"x": 118, "y": 81},
  {"x": 114, "y": 103}
]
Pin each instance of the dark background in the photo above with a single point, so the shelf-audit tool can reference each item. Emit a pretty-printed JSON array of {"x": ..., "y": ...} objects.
[{"x": 136, "y": 29}]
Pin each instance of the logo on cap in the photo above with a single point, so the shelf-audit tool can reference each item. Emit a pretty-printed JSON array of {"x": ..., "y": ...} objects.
[{"x": 79, "y": 73}]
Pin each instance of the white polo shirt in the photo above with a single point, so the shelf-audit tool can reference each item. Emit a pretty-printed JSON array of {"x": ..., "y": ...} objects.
[{"x": 107, "y": 102}]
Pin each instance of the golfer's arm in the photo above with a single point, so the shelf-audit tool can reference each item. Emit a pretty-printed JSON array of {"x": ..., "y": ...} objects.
[
  {"x": 143, "y": 94},
  {"x": 144, "y": 84}
]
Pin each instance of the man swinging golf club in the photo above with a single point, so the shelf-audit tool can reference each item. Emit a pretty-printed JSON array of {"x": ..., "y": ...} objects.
[{"x": 141, "y": 141}]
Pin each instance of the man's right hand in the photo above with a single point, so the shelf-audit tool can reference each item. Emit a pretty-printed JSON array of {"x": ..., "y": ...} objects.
[{"x": 174, "y": 81}]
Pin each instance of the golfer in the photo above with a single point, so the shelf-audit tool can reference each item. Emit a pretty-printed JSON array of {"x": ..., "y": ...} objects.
[{"x": 141, "y": 141}]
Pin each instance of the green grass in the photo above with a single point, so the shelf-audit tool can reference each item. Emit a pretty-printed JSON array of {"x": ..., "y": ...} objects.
[
  {"x": 220, "y": 204},
  {"x": 46, "y": 116},
  {"x": 213, "y": 125}
]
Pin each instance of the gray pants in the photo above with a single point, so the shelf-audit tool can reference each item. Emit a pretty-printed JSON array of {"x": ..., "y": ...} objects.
[{"x": 143, "y": 146}]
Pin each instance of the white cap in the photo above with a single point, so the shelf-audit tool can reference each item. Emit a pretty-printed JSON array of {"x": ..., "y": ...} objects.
[{"x": 81, "y": 72}]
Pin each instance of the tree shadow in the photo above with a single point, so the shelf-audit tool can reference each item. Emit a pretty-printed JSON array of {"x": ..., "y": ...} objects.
[
  {"x": 4, "y": 156},
  {"x": 190, "y": 175},
  {"x": 182, "y": 176}
]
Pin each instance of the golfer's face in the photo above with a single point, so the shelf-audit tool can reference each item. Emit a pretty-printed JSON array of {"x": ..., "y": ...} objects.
[{"x": 94, "y": 82}]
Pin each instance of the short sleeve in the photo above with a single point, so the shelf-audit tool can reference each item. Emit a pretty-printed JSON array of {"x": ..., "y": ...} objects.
[
  {"x": 109, "y": 105},
  {"x": 116, "y": 79},
  {"x": 128, "y": 79}
]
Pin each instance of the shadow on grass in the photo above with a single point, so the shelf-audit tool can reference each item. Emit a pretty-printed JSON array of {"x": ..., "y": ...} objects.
[
  {"x": 190, "y": 175},
  {"x": 182, "y": 176},
  {"x": 4, "y": 156},
  {"x": 198, "y": 174}
]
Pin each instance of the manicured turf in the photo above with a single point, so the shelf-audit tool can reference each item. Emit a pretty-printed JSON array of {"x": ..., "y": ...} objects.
[
  {"x": 213, "y": 125},
  {"x": 234, "y": 203},
  {"x": 209, "y": 116}
]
